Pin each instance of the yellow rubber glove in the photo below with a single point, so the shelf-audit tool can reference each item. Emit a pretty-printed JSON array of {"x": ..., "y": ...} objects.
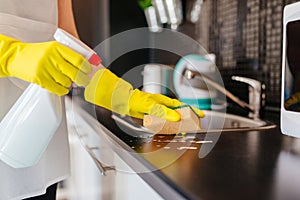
[
  {"x": 111, "y": 92},
  {"x": 49, "y": 64}
]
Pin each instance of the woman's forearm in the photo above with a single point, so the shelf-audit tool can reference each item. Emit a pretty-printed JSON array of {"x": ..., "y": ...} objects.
[{"x": 66, "y": 18}]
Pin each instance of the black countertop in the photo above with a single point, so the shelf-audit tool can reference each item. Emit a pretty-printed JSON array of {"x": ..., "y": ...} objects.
[{"x": 242, "y": 165}]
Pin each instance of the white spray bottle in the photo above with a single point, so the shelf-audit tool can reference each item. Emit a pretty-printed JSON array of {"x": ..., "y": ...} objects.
[{"x": 29, "y": 125}]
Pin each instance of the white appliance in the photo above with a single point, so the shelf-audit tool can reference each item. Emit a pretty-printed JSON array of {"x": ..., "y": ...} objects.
[{"x": 290, "y": 92}]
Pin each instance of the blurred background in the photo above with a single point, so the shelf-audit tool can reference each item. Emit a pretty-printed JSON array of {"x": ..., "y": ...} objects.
[{"x": 245, "y": 36}]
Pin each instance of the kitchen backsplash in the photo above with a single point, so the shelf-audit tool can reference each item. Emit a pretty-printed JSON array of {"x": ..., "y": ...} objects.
[{"x": 246, "y": 35}]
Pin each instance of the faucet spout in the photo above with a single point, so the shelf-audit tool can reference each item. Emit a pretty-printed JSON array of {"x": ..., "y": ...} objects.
[
  {"x": 254, "y": 94},
  {"x": 190, "y": 74}
]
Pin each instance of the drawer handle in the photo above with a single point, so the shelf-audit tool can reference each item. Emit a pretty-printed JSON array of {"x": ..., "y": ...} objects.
[{"x": 102, "y": 168}]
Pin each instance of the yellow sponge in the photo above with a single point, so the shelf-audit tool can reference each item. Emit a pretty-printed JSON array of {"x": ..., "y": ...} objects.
[{"x": 189, "y": 122}]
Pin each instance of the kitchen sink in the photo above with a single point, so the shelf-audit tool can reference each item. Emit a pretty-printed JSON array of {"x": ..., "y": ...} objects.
[
  {"x": 212, "y": 122},
  {"x": 216, "y": 121}
]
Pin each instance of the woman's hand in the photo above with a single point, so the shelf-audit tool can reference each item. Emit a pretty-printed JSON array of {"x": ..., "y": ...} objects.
[
  {"x": 111, "y": 92},
  {"x": 49, "y": 64}
]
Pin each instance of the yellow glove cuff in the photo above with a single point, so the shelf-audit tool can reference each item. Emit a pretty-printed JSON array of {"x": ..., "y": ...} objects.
[
  {"x": 5, "y": 43},
  {"x": 109, "y": 91}
]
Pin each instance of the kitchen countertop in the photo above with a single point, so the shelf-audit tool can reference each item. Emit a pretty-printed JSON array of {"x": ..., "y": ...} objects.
[{"x": 242, "y": 165}]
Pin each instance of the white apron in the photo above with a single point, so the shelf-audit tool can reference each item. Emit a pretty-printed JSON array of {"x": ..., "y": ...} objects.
[{"x": 31, "y": 21}]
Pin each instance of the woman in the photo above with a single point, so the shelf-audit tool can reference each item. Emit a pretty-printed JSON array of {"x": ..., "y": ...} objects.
[{"x": 55, "y": 67}]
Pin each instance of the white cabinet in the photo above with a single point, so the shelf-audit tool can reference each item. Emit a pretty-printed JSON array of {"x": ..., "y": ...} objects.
[
  {"x": 129, "y": 185},
  {"x": 86, "y": 181}
]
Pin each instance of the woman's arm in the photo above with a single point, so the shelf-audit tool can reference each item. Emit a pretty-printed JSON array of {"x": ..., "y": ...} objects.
[{"x": 66, "y": 18}]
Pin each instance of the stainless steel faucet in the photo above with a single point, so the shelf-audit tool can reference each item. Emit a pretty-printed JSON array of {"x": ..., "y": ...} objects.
[
  {"x": 254, "y": 91},
  {"x": 254, "y": 94}
]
